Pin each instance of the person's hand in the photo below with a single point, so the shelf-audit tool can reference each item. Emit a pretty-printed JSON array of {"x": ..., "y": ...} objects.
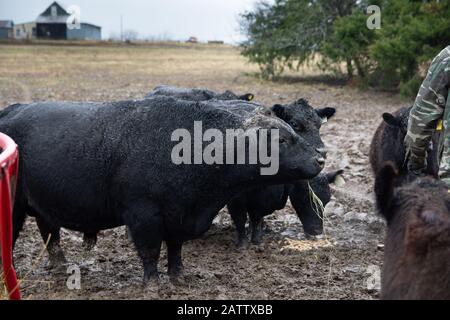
[
  {"x": 417, "y": 165},
  {"x": 418, "y": 173},
  {"x": 416, "y": 169}
]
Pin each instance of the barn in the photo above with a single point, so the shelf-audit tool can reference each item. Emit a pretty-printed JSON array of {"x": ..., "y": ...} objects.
[
  {"x": 25, "y": 31},
  {"x": 52, "y": 24},
  {"x": 6, "y": 29}
]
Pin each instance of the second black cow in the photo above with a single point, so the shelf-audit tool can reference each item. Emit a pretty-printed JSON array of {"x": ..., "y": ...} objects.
[{"x": 388, "y": 144}]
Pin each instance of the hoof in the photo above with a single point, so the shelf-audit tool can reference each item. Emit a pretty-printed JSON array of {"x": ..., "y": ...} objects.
[
  {"x": 314, "y": 237},
  {"x": 177, "y": 279},
  {"x": 257, "y": 240},
  {"x": 151, "y": 283},
  {"x": 58, "y": 267},
  {"x": 89, "y": 244},
  {"x": 176, "y": 271},
  {"x": 242, "y": 244},
  {"x": 57, "y": 261}
]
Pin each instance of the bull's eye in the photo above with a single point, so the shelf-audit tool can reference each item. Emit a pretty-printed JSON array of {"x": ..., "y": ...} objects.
[
  {"x": 293, "y": 125},
  {"x": 282, "y": 140},
  {"x": 296, "y": 126}
]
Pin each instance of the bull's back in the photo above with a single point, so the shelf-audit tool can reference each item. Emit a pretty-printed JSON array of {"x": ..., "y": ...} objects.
[
  {"x": 82, "y": 162},
  {"x": 63, "y": 161}
]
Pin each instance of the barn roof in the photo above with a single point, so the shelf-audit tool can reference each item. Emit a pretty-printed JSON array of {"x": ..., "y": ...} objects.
[
  {"x": 61, "y": 15},
  {"x": 8, "y": 24},
  {"x": 91, "y": 24},
  {"x": 51, "y": 15}
]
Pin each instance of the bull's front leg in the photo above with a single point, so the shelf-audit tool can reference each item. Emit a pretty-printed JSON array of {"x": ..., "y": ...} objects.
[
  {"x": 145, "y": 224},
  {"x": 150, "y": 257}
]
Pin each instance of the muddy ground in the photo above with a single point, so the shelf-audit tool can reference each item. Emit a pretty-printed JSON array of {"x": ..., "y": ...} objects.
[{"x": 286, "y": 265}]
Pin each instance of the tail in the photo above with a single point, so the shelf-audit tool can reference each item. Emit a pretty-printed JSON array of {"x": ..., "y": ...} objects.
[
  {"x": 9, "y": 109},
  {"x": 19, "y": 217}
]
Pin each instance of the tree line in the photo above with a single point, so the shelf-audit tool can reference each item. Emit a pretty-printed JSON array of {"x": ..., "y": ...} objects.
[{"x": 334, "y": 34}]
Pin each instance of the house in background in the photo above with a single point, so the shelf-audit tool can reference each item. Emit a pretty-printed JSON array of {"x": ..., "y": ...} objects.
[
  {"x": 25, "y": 31},
  {"x": 6, "y": 29},
  {"x": 52, "y": 24}
]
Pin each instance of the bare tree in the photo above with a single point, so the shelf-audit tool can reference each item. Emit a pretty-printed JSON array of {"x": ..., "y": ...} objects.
[
  {"x": 113, "y": 36},
  {"x": 130, "y": 35}
]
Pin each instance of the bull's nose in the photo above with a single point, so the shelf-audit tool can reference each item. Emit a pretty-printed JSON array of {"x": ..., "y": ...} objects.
[
  {"x": 323, "y": 152},
  {"x": 321, "y": 161}
]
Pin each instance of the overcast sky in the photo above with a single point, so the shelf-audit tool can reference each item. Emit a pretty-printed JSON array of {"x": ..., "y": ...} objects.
[{"x": 174, "y": 19}]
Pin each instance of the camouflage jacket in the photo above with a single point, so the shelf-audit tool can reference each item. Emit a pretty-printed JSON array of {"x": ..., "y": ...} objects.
[{"x": 432, "y": 105}]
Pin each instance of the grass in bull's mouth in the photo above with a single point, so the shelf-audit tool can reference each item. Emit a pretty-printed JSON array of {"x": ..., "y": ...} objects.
[{"x": 318, "y": 206}]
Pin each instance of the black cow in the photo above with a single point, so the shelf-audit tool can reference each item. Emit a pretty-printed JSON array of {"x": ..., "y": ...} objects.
[
  {"x": 94, "y": 166},
  {"x": 417, "y": 254},
  {"x": 190, "y": 94},
  {"x": 196, "y": 94},
  {"x": 263, "y": 201},
  {"x": 306, "y": 122},
  {"x": 388, "y": 144}
]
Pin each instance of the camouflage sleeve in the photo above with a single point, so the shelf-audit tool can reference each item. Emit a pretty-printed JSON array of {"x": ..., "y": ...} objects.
[{"x": 428, "y": 108}]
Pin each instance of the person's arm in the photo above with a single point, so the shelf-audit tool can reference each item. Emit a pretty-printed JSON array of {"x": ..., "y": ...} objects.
[{"x": 427, "y": 110}]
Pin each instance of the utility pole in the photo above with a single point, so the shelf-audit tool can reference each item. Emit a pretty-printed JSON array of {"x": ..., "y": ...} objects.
[{"x": 121, "y": 27}]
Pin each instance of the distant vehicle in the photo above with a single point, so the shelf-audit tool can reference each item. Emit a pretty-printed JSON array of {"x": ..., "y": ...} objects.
[
  {"x": 192, "y": 40},
  {"x": 215, "y": 42}
]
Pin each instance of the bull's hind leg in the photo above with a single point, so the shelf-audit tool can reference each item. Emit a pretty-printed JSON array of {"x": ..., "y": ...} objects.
[
  {"x": 175, "y": 263},
  {"x": 239, "y": 219},
  {"x": 238, "y": 212},
  {"x": 89, "y": 240},
  {"x": 256, "y": 226},
  {"x": 50, "y": 233},
  {"x": 145, "y": 224}
]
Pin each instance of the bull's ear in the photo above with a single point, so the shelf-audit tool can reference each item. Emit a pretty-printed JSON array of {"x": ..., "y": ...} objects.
[
  {"x": 384, "y": 188},
  {"x": 325, "y": 113},
  {"x": 279, "y": 110},
  {"x": 247, "y": 97},
  {"x": 439, "y": 219},
  {"x": 391, "y": 120},
  {"x": 332, "y": 176},
  {"x": 265, "y": 111}
]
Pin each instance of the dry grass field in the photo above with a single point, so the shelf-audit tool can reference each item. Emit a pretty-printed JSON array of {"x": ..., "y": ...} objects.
[{"x": 286, "y": 265}]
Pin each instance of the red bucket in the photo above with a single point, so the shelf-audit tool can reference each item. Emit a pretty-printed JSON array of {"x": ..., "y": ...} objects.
[{"x": 8, "y": 174}]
